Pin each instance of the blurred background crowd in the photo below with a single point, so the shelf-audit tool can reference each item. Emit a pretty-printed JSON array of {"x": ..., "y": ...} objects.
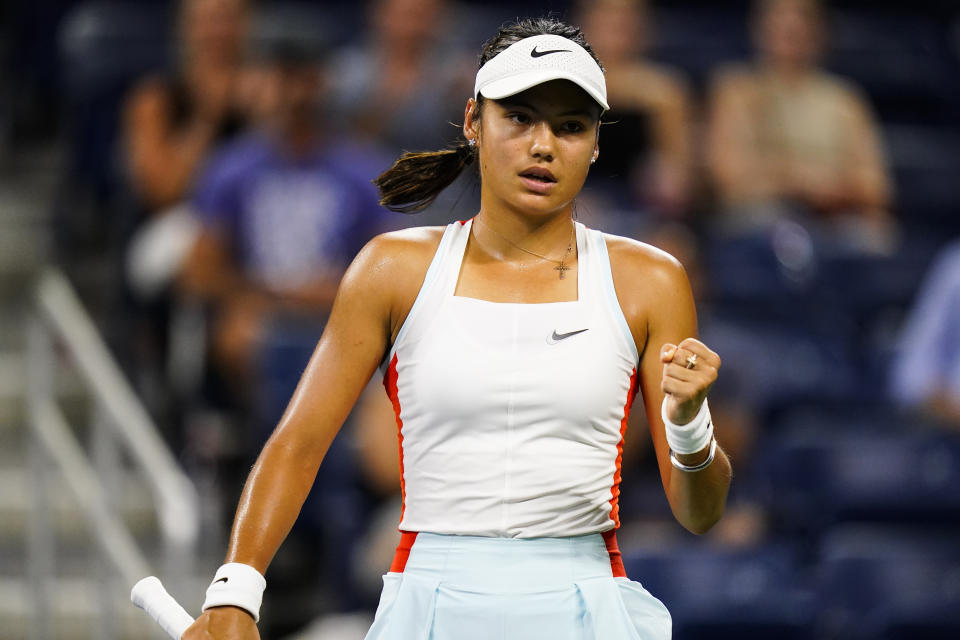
[{"x": 201, "y": 170}]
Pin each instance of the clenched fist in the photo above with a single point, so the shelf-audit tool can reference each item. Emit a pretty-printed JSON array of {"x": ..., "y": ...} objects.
[{"x": 689, "y": 370}]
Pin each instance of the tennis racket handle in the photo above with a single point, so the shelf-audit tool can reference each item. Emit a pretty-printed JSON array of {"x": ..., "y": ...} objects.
[{"x": 149, "y": 595}]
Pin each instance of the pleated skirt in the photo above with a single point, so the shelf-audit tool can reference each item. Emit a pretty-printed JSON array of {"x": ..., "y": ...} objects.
[{"x": 480, "y": 588}]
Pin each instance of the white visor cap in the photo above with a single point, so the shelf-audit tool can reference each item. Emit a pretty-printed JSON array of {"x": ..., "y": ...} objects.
[{"x": 536, "y": 60}]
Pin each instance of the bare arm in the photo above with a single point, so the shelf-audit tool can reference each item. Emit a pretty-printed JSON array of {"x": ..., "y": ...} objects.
[
  {"x": 663, "y": 320},
  {"x": 374, "y": 297},
  {"x": 943, "y": 406},
  {"x": 672, "y": 123},
  {"x": 868, "y": 179},
  {"x": 345, "y": 358},
  {"x": 163, "y": 158},
  {"x": 209, "y": 273}
]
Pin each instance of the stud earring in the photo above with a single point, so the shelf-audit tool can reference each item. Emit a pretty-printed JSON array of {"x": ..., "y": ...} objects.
[{"x": 471, "y": 142}]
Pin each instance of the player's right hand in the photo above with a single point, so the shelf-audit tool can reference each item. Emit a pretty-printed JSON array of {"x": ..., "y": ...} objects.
[{"x": 223, "y": 623}]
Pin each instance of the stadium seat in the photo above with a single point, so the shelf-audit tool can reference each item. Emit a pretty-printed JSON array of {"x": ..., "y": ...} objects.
[
  {"x": 861, "y": 415},
  {"x": 875, "y": 294},
  {"x": 696, "y": 39},
  {"x": 770, "y": 361},
  {"x": 104, "y": 47},
  {"x": 755, "y": 593},
  {"x": 865, "y": 285},
  {"x": 901, "y": 58},
  {"x": 889, "y": 583},
  {"x": 925, "y": 164},
  {"x": 814, "y": 480}
]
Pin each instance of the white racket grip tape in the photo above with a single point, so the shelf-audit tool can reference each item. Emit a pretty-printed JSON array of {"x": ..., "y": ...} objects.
[{"x": 149, "y": 595}]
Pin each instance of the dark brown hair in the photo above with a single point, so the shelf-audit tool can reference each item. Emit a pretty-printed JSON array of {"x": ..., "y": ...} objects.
[{"x": 417, "y": 178}]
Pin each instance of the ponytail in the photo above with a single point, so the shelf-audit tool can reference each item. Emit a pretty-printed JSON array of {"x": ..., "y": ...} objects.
[{"x": 417, "y": 178}]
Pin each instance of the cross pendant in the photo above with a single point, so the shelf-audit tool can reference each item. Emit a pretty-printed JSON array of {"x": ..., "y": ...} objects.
[{"x": 561, "y": 268}]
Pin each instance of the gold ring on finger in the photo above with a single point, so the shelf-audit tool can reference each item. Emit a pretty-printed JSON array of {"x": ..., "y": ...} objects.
[{"x": 691, "y": 361}]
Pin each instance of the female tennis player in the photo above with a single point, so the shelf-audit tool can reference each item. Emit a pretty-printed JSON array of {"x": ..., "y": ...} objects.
[{"x": 512, "y": 346}]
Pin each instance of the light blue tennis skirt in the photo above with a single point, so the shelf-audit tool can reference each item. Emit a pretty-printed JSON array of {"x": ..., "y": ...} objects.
[{"x": 478, "y": 588}]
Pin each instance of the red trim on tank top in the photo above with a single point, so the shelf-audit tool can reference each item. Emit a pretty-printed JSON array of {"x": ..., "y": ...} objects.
[
  {"x": 407, "y": 538},
  {"x": 615, "y": 489},
  {"x": 390, "y": 384},
  {"x": 616, "y": 558},
  {"x": 402, "y": 554}
]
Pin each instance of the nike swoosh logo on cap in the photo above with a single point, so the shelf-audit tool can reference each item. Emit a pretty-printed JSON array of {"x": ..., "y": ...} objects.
[
  {"x": 561, "y": 336},
  {"x": 224, "y": 580},
  {"x": 537, "y": 54}
]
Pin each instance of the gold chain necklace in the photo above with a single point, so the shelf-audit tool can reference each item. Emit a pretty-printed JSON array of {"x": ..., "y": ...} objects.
[{"x": 561, "y": 266}]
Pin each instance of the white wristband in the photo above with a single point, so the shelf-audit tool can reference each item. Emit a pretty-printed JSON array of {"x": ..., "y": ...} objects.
[
  {"x": 237, "y": 585},
  {"x": 691, "y": 437}
]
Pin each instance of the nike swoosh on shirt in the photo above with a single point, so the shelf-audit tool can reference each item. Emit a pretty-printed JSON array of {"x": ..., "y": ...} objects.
[
  {"x": 562, "y": 336},
  {"x": 537, "y": 54},
  {"x": 224, "y": 580}
]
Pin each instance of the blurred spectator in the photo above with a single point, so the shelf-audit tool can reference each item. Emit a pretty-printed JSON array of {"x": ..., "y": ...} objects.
[
  {"x": 404, "y": 83},
  {"x": 170, "y": 126},
  {"x": 926, "y": 370},
  {"x": 171, "y": 123},
  {"x": 787, "y": 139},
  {"x": 283, "y": 208},
  {"x": 645, "y": 150}
]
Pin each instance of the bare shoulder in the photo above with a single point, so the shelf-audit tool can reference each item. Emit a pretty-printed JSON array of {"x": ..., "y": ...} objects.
[
  {"x": 848, "y": 96},
  {"x": 406, "y": 246},
  {"x": 397, "y": 256},
  {"x": 389, "y": 271},
  {"x": 839, "y": 86},
  {"x": 632, "y": 261},
  {"x": 411, "y": 238}
]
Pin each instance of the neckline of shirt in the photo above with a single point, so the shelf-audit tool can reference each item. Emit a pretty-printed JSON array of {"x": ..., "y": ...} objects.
[{"x": 581, "y": 252}]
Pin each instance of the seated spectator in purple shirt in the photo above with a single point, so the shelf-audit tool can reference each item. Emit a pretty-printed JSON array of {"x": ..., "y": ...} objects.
[
  {"x": 926, "y": 371},
  {"x": 283, "y": 210}
]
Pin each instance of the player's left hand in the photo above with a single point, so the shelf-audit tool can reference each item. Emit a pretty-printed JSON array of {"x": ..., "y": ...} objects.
[{"x": 689, "y": 370}]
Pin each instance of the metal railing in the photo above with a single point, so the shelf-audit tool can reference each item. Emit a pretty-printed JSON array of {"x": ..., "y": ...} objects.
[{"x": 59, "y": 326}]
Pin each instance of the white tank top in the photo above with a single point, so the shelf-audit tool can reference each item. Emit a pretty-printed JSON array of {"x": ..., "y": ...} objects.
[{"x": 511, "y": 416}]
